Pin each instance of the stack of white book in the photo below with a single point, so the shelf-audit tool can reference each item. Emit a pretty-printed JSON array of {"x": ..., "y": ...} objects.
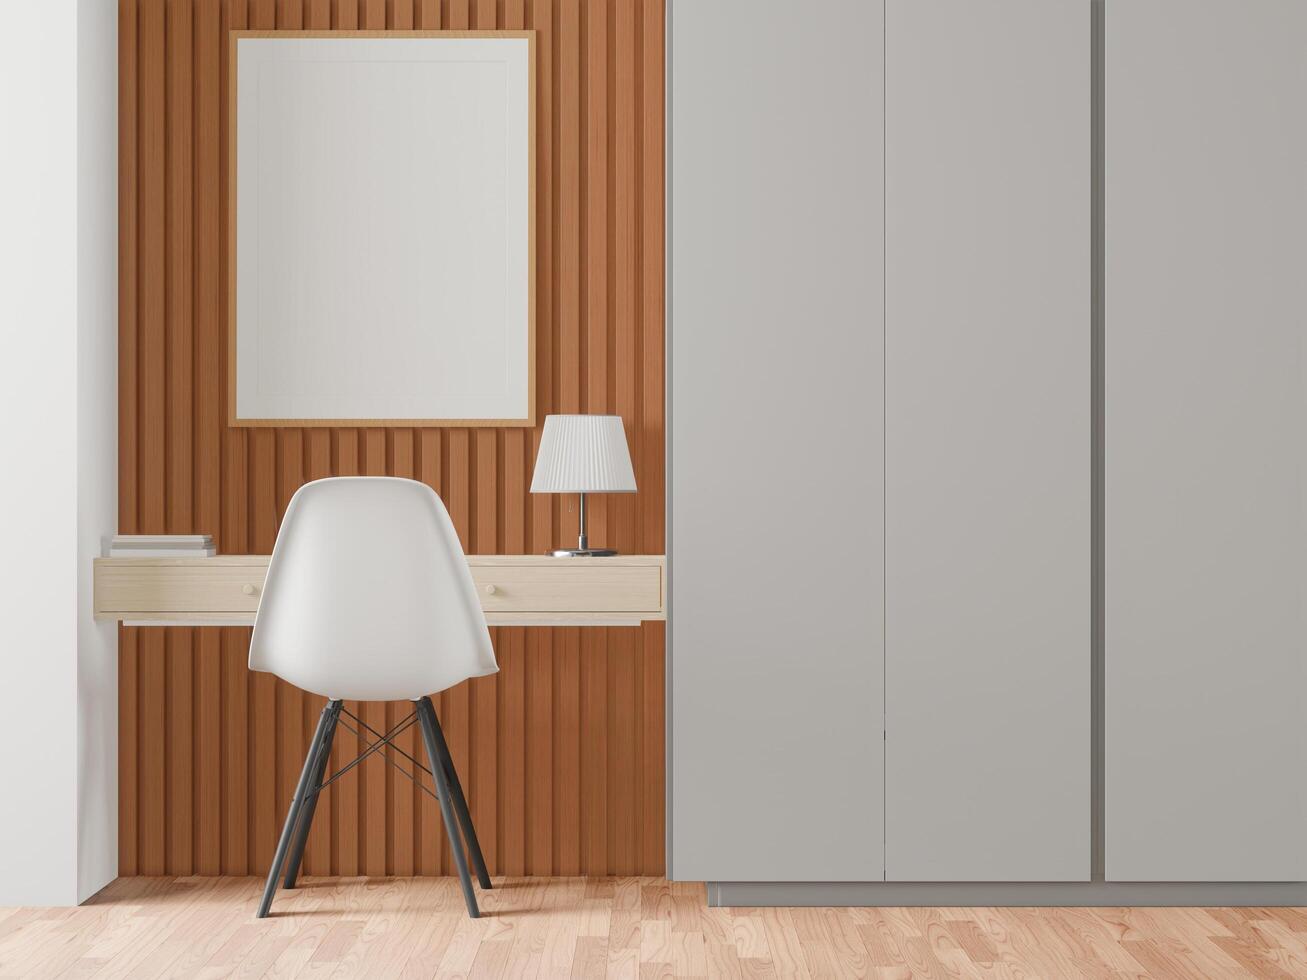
[{"x": 160, "y": 546}]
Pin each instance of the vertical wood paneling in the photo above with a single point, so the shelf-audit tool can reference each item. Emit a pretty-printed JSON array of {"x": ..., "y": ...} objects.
[
  {"x": 208, "y": 755},
  {"x": 543, "y": 509},
  {"x": 152, "y": 270},
  {"x": 567, "y": 751},
  {"x": 152, "y": 773},
  {"x": 129, "y": 813},
  {"x": 458, "y": 15},
  {"x": 128, "y": 680},
  {"x": 179, "y": 426},
  {"x": 652, "y": 813},
  {"x": 541, "y": 851},
  {"x": 562, "y": 751},
  {"x": 649, "y": 185},
  {"x": 511, "y": 762},
  {"x": 128, "y": 244},
  {"x": 593, "y": 736},
  {"x": 595, "y": 319},
  {"x": 235, "y": 768},
  {"x": 540, "y": 753},
  {"x": 179, "y": 750},
  {"x": 208, "y": 437}
]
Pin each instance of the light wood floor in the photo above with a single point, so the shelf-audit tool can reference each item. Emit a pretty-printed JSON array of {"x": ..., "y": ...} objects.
[{"x": 626, "y": 927}]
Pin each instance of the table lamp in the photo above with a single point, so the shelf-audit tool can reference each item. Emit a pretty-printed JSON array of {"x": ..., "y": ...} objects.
[{"x": 583, "y": 454}]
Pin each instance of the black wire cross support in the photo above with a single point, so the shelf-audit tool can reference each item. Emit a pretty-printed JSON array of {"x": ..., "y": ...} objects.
[
  {"x": 448, "y": 794},
  {"x": 382, "y": 740}
]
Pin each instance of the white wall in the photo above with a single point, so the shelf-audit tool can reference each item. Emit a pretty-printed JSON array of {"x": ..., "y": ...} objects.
[
  {"x": 58, "y": 719},
  {"x": 97, "y": 436}
]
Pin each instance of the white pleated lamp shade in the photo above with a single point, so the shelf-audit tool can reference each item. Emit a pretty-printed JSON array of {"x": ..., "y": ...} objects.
[{"x": 583, "y": 454}]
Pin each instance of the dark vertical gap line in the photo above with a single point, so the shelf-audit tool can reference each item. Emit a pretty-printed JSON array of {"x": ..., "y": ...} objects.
[
  {"x": 196, "y": 191},
  {"x": 641, "y": 844},
  {"x": 388, "y": 752},
  {"x": 500, "y": 705},
  {"x": 135, "y": 327},
  {"x": 138, "y": 136},
  {"x": 668, "y": 401},
  {"x": 584, "y": 777},
  {"x": 167, "y": 641},
  {"x": 583, "y": 210},
  {"x": 221, "y": 532},
  {"x": 357, "y": 746},
  {"x": 528, "y": 511},
  {"x": 197, "y": 773},
  {"x": 279, "y": 694},
  {"x": 194, "y": 238},
  {"x": 247, "y": 450},
  {"x": 884, "y": 441},
  {"x": 556, "y": 285},
  {"x": 165, "y": 332},
  {"x": 442, "y": 449},
  {"x": 417, "y": 460},
  {"x": 638, "y": 422},
  {"x": 555, "y": 737},
  {"x": 584, "y": 734},
  {"x": 250, "y": 740},
  {"x": 637, "y": 257},
  {"x": 415, "y": 823},
  {"x": 139, "y": 725},
  {"x": 220, "y": 695},
  {"x": 470, "y": 488},
  {"x": 1097, "y": 360},
  {"x": 609, "y": 713},
  {"x": 470, "y": 739},
  {"x": 523, "y": 798},
  {"x": 613, "y": 114},
  {"x": 278, "y": 478},
  {"x": 501, "y": 490}
]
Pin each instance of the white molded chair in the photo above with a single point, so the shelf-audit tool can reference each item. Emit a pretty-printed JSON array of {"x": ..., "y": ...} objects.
[{"x": 369, "y": 598}]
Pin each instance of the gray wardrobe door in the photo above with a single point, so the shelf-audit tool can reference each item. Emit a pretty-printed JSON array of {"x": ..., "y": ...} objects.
[
  {"x": 987, "y": 466},
  {"x": 1206, "y": 415},
  {"x": 776, "y": 440}
]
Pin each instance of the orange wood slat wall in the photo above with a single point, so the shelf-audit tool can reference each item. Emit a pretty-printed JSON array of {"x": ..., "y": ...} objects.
[{"x": 562, "y": 751}]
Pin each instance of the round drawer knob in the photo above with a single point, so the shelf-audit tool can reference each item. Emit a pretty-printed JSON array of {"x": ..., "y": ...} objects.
[
  {"x": 491, "y": 590},
  {"x": 249, "y": 589}
]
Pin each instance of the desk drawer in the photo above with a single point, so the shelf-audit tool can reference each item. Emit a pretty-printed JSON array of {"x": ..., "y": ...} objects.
[
  {"x": 516, "y": 590},
  {"x": 208, "y": 585},
  {"x": 557, "y": 588}
]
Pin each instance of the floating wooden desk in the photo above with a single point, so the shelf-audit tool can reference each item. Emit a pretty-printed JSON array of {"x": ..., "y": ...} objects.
[{"x": 515, "y": 590}]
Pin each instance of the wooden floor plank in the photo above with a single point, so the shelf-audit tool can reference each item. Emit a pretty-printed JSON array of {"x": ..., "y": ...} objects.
[{"x": 615, "y": 927}]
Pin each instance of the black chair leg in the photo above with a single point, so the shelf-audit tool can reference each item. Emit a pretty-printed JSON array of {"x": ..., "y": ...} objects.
[
  {"x": 296, "y": 805},
  {"x": 460, "y": 802},
  {"x": 427, "y": 721},
  {"x": 305, "y": 823}
]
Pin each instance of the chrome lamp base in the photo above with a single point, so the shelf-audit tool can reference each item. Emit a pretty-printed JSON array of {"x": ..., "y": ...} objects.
[{"x": 582, "y": 549}]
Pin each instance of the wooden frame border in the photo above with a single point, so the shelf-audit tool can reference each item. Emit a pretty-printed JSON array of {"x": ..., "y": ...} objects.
[{"x": 529, "y": 422}]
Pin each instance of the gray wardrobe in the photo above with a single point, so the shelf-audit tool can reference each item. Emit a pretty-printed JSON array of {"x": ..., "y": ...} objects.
[{"x": 987, "y": 420}]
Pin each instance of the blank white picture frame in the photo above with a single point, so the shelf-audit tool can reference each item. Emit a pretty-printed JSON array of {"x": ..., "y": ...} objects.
[{"x": 381, "y": 226}]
